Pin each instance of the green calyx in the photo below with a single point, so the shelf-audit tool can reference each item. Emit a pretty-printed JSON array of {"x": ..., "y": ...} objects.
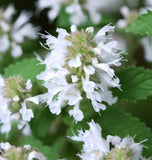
[
  {"x": 15, "y": 86},
  {"x": 15, "y": 153},
  {"x": 82, "y": 43},
  {"x": 119, "y": 154},
  {"x": 15, "y": 89}
]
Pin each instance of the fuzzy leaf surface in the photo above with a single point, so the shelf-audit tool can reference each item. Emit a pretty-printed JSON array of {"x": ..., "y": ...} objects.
[
  {"x": 27, "y": 68},
  {"x": 142, "y": 25},
  {"x": 136, "y": 84}
]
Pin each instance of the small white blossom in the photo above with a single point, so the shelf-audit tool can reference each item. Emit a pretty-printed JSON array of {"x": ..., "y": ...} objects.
[
  {"x": 27, "y": 114},
  {"x": 27, "y": 147},
  {"x": 77, "y": 15},
  {"x": 75, "y": 62},
  {"x": 4, "y": 43},
  {"x": 16, "y": 98},
  {"x": 14, "y": 34},
  {"x": 36, "y": 155},
  {"x": 28, "y": 84},
  {"x": 5, "y": 146},
  {"x": 122, "y": 23},
  {"x": 54, "y": 7},
  {"x": 147, "y": 45},
  {"x": 74, "y": 78},
  {"x": 16, "y": 50}
]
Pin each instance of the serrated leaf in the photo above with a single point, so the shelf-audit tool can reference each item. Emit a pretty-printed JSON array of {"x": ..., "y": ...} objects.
[
  {"x": 136, "y": 84},
  {"x": 142, "y": 25},
  {"x": 27, "y": 68},
  {"x": 35, "y": 143}
]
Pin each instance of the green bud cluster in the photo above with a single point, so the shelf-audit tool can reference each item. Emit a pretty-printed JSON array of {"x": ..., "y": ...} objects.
[
  {"x": 82, "y": 43},
  {"x": 15, "y": 153},
  {"x": 119, "y": 154},
  {"x": 15, "y": 87}
]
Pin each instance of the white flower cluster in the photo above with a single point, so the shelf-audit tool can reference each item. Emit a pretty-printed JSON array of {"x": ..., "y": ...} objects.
[
  {"x": 12, "y": 108},
  {"x": 13, "y": 34},
  {"x": 80, "y": 65},
  {"x": 77, "y": 9},
  {"x": 97, "y": 148},
  {"x": 8, "y": 151}
]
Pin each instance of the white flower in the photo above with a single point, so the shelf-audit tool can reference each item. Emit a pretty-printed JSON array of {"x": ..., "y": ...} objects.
[
  {"x": 75, "y": 62},
  {"x": 76, "y": 112},
  {"x": 25, "y": 127},
  {"x": 77, "y": 15},
  {"x": 8, "y": 13},
  {"x": 94, "y": 147},
  {"x": 27, "y": 114},
  {"x": 16, "y": 98},
  {"x": 122, "y": 23},
  {"x": 27, "y": 147},
  {"x": 16, "y": 50},
  {"x": 147, "y": 45},
  {"x": 4, "y": 43},
  {"x": 94, "y": 8},
  {"x": 28, "y": 84},
  {"x": 129, "y": 142},
  {"x": 36, "y": 155},
  {"x": 97, "y": 148},
  {"x": 53, "y": 5},
  {"x": 5, "y": 146},
  {"x": 75, "y": 67},
  {"x": 5, "y": 114},
  {"x": 23, "y": 29},
  {"x": 14, "y": 34},
  {"x": 8, "y": 111},
  {"x": 79, "y": 11},
  {"x": 74, "y": 78}
]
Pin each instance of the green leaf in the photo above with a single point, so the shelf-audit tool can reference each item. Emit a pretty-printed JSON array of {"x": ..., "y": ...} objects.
[
  {"x": 35, "y": 143},
  {"x": 27, "y": 68},
  {"x": 63, "y": 18},
  {"x": 136, "y": 84},
  {"x": 115, "y": 122},
  {"x": 142, "y": 25},
  {"x": 42, "y": 120},
  {"x": 58, "y": 144}
]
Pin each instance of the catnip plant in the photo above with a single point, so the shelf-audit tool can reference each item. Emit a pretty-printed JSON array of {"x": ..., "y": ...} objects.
[{"x": 75, "y": 80}]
